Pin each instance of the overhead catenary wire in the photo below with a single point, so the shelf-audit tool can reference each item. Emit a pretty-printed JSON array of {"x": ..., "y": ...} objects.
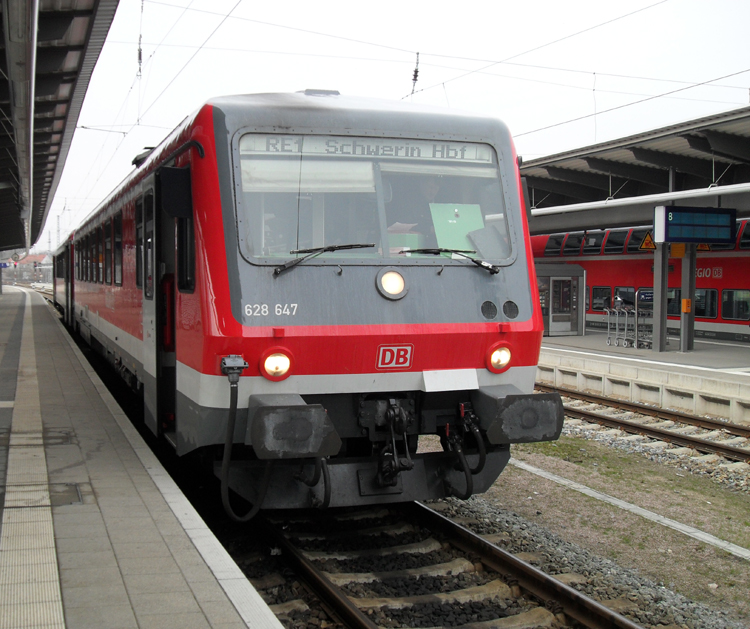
[
  {"x": 140, "y": 115},
  {"x": 551, "y": 43},
  {"x": 526, "y": 79},
  {"x": 187, "y": 63},
  {"x": 638, "y": 102}
]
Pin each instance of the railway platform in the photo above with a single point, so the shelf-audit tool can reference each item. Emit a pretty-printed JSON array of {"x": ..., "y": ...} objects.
[
  {"x": 94, "y": 532},
  {"x": 713, "y": 380}
]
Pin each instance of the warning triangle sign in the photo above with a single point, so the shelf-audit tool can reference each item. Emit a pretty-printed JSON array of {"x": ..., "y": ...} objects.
[
  {"x": 703, "y": 247},
  {"x": 647, "y": 244}
]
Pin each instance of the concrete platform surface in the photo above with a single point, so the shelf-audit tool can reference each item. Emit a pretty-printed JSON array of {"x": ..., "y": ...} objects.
[{"x": 95, "y": 534}]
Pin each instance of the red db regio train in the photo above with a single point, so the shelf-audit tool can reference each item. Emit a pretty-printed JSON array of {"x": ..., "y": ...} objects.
[
  {"x": 305, "y": 286},
  {"x": 619, "y": 262}
]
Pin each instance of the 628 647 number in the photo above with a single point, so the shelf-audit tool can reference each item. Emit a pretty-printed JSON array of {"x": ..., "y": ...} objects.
[{"x": 263, "y": 310}]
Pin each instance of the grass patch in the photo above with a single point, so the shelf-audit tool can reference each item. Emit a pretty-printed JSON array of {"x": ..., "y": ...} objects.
[{"x": 674, "y": 492}]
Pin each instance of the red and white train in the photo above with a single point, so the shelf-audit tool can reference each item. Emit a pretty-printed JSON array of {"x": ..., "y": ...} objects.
[
  {"x": 617, "y": 263},
  {"x": 303, "y": 285}
]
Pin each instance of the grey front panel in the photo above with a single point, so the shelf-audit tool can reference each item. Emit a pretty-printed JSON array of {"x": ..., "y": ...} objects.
[{"x": 346, "y": 294}]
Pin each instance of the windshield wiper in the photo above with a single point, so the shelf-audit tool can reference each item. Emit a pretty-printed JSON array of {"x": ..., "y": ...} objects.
[
  {"x": 461, "y": 252},
  {"x": 316, "y": 251}
]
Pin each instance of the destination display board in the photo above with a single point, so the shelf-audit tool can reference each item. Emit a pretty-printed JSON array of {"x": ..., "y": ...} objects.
[{"x": 694, "y": 224}]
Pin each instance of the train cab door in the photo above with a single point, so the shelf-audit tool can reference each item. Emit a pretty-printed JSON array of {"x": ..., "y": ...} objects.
[
  {"x": 158, "y": 314},
  {"x": 563, "y": 306},
  {"x": 69, "y": 273},
  {"x": 145, "y": 207}
]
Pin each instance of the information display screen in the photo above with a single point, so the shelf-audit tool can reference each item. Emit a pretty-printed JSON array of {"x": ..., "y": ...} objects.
[{"x": 695, "y": 225}]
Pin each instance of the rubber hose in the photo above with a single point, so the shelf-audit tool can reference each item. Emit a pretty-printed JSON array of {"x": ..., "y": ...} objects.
[
  {"x": 482, "y": 450},
  {"x": 226, "y": 460},
  {"x": 327, "y": 484},
  {"x": 469, "y": 480}
]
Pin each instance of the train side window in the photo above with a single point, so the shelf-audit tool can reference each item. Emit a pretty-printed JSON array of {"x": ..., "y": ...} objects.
[
  {"x": 93, "y": 252},
  {"x": 646, "y": 298},
  {"x": 636, "y": 238},
  {"x": 601, "y": 298},
  {"x": 185, "y": 255},
  {"x": 139, "y": 243},
  {"x": 674, "y": 301},
  {"x": 724, "y": 246},
  {"x": 148, "y": 245},
  {"x": 745, "y": 237},
  {"x": 100, "y": 254},
  {"x": 573, "y": 244},
  {"x": 592, "y": 242},
  {"x": 627, "y": 294},
  {"x": 118, "y": 248},
  {"x": 554, "y": 244},
  {"x": 735, "y": 304},
  {"x": 92, "y": 256},
  {"x": 706, "y": 303},
  {"x": 108, "y": 251},
  {"x": 616, "y": 241},
  {"x": 84, "y": 249},
  {"x": 89, "y": 256}
]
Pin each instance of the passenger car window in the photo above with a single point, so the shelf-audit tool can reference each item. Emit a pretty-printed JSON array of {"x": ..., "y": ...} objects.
[
  {"x": 601, "y": 298},
  {"x": 118, "y": 248},
  {"x": 592, "y": 242},
  {"x": 616, "y": 241},
  {"x": 626, "y": 294},
  {"x": 573, "y": 244},
  {"x": 735, "y": 304},
  {"x": 706, "y": 303},
  {"x": 554, "y": 245}
]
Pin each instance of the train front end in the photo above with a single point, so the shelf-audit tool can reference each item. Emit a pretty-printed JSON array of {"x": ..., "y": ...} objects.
[{"x": 370, "y": 278}]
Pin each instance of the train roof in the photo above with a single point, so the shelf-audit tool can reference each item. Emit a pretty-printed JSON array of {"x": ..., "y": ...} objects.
[{"x": 327, "y": 108}]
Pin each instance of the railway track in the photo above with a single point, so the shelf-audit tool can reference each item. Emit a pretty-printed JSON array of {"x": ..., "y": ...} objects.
[
  {"x": 731, "y": 441},
  {"x": 409, "y": 566}
]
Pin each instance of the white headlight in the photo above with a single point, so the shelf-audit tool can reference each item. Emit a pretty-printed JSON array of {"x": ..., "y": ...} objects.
[
  {"x": 392, "y": 283},
  {"x": 277, "y": 365},
  {"x": 500, "y": 357}
]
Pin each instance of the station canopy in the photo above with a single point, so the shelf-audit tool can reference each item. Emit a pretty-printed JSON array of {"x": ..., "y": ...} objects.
[
  {"x": 49, "y": 51},
  {"x": 618, "y": 183}
]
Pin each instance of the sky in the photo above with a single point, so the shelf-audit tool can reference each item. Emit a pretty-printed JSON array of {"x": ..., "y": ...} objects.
[{"x": 562, "y": 75}]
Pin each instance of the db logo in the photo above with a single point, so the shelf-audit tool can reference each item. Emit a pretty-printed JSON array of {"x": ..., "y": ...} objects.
[{"x": 395, "y": 356}]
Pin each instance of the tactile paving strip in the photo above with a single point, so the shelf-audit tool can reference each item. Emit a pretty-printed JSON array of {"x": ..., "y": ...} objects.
[{"x": 29, "y": 579}]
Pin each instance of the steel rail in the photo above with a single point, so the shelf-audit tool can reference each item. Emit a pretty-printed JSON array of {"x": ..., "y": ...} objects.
[
  {"x": 651, "y": 411},
  {"x": 339, "y": 603},
  {"x": 575, "y": 605},
  {"x": 702, "y": 445}
]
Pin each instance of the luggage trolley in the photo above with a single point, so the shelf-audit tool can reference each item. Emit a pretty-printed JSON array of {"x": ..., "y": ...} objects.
[
  {"x": 644, "y": 322},
  {"x": 612, "y": 316},
  {"x": 622, "y": 325},
  {"x": 625, "y": 332},
  {"x": 619, "y": 326}
]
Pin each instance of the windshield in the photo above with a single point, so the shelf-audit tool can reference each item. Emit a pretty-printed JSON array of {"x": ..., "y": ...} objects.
[{"x": 303, "y": 192}]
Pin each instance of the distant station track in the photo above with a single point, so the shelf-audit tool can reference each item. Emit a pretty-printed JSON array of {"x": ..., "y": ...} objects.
[
  {"x": 43, "y": 289},
  {"x": 671, "y": 427},
  {"x": 409, "y": 565}
]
